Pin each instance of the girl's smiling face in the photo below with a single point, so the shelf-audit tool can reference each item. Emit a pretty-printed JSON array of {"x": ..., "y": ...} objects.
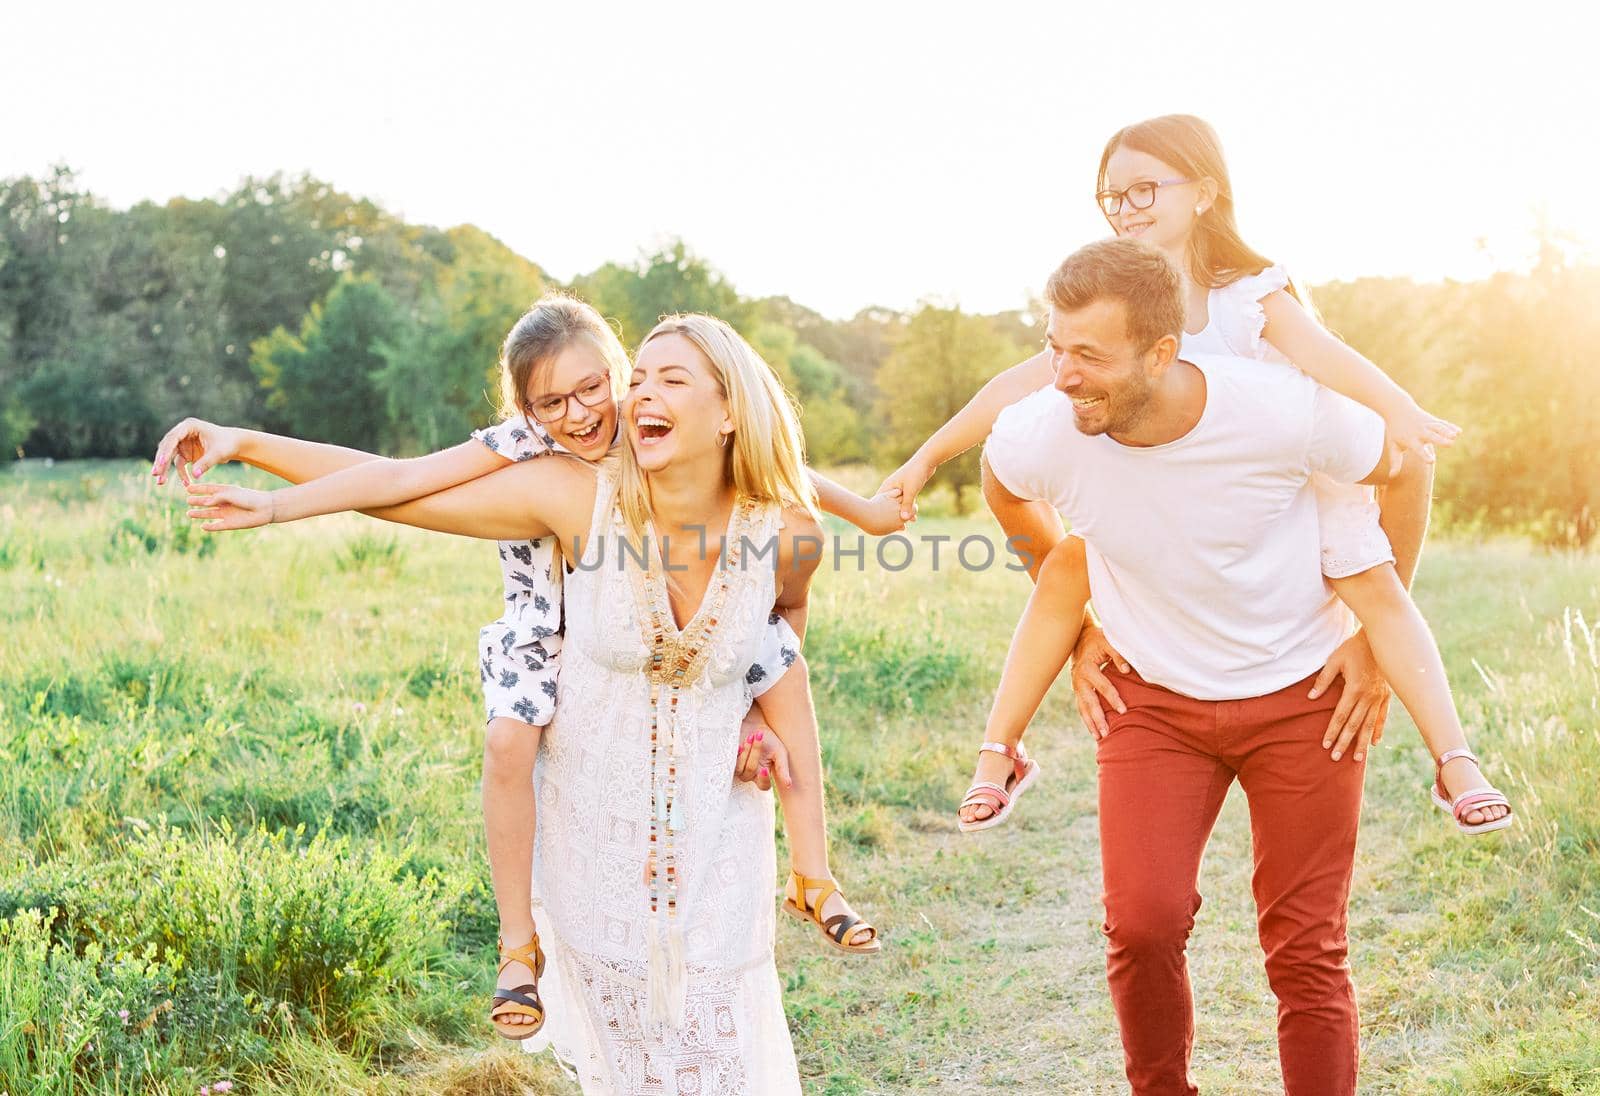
[
  {"x": 571, "y": 398},
  {"x": 1169, "y": 219},
  {"x": 676, "y": 409}
]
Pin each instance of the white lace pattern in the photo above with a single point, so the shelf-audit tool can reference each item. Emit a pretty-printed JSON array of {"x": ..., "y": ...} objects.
[{"x": 595, "y": 811}]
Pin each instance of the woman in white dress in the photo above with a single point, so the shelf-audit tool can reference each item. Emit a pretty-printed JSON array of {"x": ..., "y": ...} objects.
[{"x": 660, "y": 867}]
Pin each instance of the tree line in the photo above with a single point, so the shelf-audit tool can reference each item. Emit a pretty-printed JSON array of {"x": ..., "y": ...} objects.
[{"x": 289, "y": 305}]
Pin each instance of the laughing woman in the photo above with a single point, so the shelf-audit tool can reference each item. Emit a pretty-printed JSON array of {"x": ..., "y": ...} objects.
[{"x": 658, "y": 868}]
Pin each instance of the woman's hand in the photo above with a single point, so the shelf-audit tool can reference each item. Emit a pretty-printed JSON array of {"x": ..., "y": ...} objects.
[
  {"x": 761, "y": 755},
  {"x": 1090, "y": 686},
  {"x": 1418, "y": 431},
  {"x": 224, "y": 506},
  {"x": 909, "y": 479},
  {"x": 197, "y": 446},
  {"x": 1363, "y": 706}
]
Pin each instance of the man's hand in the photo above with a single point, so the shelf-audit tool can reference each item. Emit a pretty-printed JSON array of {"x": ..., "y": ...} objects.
[
  {"x": 761, "y": 755},
  {"x": 1090, "y": 685},
  {"x": 196, "y": 446},
  {"x": 1364, "y": 704}
]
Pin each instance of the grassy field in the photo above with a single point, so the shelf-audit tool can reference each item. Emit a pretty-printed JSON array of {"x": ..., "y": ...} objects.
[{"x": 239, "y": 835}]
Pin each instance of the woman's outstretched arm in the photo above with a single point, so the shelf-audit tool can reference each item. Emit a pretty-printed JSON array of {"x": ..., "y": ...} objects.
[{"x": 523, "y": 501}]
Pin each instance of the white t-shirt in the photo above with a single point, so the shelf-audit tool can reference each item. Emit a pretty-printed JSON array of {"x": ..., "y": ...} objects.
[{"x": 1204, "y": 553}]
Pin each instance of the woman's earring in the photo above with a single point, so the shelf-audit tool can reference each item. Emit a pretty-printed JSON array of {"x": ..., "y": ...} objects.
[
  {"x": 722, "y": 441},
  {"x": 1199, "y": 210}
]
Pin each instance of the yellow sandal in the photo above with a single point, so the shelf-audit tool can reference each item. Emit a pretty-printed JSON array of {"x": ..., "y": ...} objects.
[
  {"x": 839, "y": 928},
  {"x": 523, "y": 1000}
]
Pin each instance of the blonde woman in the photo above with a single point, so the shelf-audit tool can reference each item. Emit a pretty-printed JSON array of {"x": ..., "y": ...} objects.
[{"x": 656, "y": 866}]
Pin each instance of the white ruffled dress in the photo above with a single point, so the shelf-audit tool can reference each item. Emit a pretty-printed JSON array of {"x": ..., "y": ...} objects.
[{"x": 1352, "y": 539}]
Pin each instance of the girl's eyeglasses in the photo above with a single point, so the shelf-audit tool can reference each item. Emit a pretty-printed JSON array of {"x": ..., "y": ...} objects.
[
  {"x": 552, "y": 406},
  {"x": 1141, "y": 195}
]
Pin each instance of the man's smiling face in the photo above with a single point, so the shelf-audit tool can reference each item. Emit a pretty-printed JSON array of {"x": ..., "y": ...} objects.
[{"x": 1099, "y": 367}]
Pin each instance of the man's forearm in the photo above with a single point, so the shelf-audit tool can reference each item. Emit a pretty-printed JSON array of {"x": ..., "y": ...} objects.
[{"x": 1403, "y": 506}]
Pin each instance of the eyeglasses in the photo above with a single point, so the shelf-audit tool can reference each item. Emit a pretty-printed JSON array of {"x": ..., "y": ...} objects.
[
  {"x": 552, "y": 406},
  {"x": 1140, "y": 195}
]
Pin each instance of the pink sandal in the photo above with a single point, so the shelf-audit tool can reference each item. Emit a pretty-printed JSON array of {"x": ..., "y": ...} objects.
[
  {"x": 999, "y": 798},
  {"x": 1474, "y": 799}
]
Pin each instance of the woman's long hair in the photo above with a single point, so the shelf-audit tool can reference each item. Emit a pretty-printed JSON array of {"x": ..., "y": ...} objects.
[
  {"x": 766, "y": 457},
  {"x": 1217, "y": 254}
]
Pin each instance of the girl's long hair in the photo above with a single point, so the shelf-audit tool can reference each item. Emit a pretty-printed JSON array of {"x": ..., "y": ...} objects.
[
  {"x": 766, "y": 457},
  {"x": 1217, "y": 254}
]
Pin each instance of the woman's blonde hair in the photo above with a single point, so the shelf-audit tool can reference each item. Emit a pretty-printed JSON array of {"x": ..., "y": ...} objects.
[
  {"x": 1217, "y": 253},
  {"x": 555, "y": 322},
  {"x": 766, "y": 456}
]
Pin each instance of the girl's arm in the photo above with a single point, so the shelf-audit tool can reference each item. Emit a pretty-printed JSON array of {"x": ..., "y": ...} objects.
[
  {"x": 1331, "y": 362},
  {"x": 522, "y": 501},
  {"x": 197, "y": 446},
  {"x": 383, "y": 482},
  {"x": 878, "y": 515},
  {"x": 968, "y": 428}
]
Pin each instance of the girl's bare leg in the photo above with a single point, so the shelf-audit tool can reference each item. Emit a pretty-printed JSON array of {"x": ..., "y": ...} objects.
[
  {"x": 1406, "y": 652},
  {"x": 1040, "y": 647},
  {"x": 788, "y": 709},
  {"x": 509, "y": 749}
]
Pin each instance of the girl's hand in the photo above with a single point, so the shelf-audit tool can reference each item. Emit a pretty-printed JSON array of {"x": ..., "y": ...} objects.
[
  {"x": 761, "y": 755},
  {"x": 882, "y": 513},
  {"x": 197, "y": 446},
  {"x": 909, "y": 479},
  {"x": 1417, "y": 431},
  {"x": 1090, "y": 686},
  {"x": 223, "y": 506}
]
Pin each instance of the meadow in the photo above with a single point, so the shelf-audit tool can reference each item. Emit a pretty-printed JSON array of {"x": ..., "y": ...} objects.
[{"x": 239, "y": 835}]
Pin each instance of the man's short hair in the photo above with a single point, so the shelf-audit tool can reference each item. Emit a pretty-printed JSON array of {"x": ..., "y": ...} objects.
[{"x": 1126, "y": 270}]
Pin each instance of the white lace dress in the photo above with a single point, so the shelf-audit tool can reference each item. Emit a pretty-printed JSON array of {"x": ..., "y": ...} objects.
[
  {"x": 660, "y": 982},
  {"x": 1347, "y": 513}
]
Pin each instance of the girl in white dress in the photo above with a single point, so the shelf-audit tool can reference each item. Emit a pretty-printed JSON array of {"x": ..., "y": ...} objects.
[
  {"x": 657, "y": 866},
  {"x": 1165, "y": 181}
]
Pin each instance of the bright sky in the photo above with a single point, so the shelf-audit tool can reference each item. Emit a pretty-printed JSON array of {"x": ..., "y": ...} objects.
[{"x": 844, "y": 154}]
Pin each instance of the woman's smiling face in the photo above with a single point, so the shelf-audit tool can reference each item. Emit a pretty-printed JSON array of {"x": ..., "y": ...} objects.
[
  {"x": 675, "y": 407},
  {"x": 571, "y": 398}
]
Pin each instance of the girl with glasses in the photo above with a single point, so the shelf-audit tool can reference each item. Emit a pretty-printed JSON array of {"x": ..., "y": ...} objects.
[{"x": 1165, "y": 181}]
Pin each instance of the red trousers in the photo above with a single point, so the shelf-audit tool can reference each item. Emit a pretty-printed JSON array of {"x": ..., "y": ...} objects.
[{"x": 1165, "y": 769}]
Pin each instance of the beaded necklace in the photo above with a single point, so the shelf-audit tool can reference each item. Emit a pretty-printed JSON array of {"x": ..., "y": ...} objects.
[{"x": 677, "y": 660}]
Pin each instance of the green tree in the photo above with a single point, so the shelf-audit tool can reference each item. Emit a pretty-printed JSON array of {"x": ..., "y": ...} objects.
[
  {"x": 321, "y": 382},
  {"x": 941, "y": 359},
  {"x": 440, "y": 375},
  {"x": 832, "y": 425},
  {"x": 671, "y": 280}
]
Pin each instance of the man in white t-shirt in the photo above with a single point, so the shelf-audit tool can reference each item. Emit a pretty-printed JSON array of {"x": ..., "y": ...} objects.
[{"x": 1189, "y": 482}]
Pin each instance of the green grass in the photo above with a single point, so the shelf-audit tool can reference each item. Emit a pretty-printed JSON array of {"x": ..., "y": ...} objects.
[{"x": 238, "y": 803}]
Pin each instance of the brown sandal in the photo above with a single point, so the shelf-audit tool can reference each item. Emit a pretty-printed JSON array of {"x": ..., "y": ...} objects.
[
  {"x": 524, "y": 999},
  {"x": 839, "y": 928}
]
